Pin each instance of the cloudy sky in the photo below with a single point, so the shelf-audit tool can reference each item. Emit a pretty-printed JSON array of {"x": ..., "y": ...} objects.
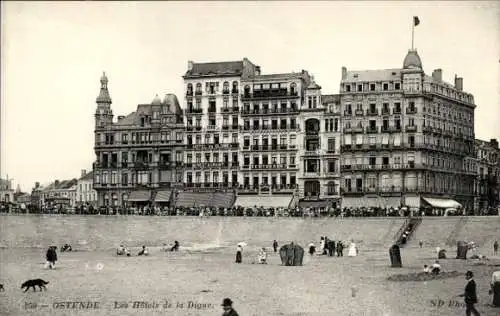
[{"x": 54, "y": 53}]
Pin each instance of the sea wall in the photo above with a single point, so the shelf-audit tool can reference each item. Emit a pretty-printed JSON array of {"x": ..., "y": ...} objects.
[{"x": 107, "y": 232}]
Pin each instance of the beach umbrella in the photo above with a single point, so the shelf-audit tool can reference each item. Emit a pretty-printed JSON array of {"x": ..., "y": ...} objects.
[{"x": 242, "y": 244}]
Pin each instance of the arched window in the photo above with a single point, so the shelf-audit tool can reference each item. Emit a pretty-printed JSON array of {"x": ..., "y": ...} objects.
[
  {"x": 225, "y": 87},
  {"x": 247, "y": 90},
  {"x": 189, "y": 89},
  {"x": 198, "y": 88},
  {"x": 235, "y": 87},
  {"x": 293, "y": 88}
]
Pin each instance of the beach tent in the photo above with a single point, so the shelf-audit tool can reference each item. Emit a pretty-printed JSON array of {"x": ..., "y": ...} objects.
[{"x": 291, "y": 255}]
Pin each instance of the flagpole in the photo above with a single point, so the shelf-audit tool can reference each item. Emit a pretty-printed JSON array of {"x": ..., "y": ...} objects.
[{"x": 412, "y": 33}]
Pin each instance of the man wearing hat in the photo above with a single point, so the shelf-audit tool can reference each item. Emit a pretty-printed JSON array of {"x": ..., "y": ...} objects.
[
  {"x": 495, "y": 288},
  {"x": 227, "y": 305},
  {"x": 470, "y": 295}
]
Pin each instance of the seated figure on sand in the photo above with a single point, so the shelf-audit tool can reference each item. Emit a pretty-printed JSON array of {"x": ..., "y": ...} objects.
[
  {"x": 144, "y": 251},
  {"x": 427, "y": 269},
  {"x": 436, "y": 267},
  {"x": 262, "y": 257},
  {"x": 122, "y": 251},
  {"x": 66, "y": 247},
  {"x": 175, "y": 247},
  {"x": 312, "y": 248}
]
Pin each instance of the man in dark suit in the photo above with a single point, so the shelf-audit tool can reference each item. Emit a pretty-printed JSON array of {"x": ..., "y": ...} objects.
[
  {"x": 227, "y": 305},
  {"x": 470, "y": 296}
]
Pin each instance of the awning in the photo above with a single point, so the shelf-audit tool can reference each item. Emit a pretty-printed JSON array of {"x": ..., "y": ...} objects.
[
  {"x": 222, "y": 200},
  {"x": 163, "y": 196},
  {"x": 412, "y": 201},
  {"x": 315, "y": 204},
  {"x": 186, "y": 199},
  {"x": 442, "y": 203},
  {"x": 271, "y": 201},
  {"x": 203, "y": 199},
  {"x": 390, "y": 201},
  {"x": 352, "y": 202},
  {"x": 139, "y": 196}
]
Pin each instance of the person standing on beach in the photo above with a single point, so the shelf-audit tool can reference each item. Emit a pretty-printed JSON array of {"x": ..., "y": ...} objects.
[
  {"x": 275, "y": 246},
  {"x": 51, "y": 257},
  {"x": 239, "y": 250},
  {"x": 470, "y": 295},
  {"x": 495, "y": 247},
  {"x": 495, "y": 288},
  {"x": 420, "y": 243}
]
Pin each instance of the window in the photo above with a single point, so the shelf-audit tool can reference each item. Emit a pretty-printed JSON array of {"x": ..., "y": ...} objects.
[
  {"x": 331, "y": 144},
  {"x": 372, "y": 87}
]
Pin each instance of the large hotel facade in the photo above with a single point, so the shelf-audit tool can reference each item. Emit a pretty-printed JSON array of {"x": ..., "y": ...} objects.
[
  {"x": 406, "y": 136},
  {"x": 391, "y": 138}
]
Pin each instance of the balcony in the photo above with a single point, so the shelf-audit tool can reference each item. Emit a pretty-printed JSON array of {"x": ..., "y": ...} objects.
[
  {"x": 372, "y": 130},
  {"x": 269, "y": 94},
  {"x": 277, "y": 111},
  {"x": 234, "y": 109},
  {"x": 194, "y": 111},
  {"x": 212, "y": 127},
  {"x": 198, "y": 92},
  {"x": 283, "y": 188},
  {"x": 189, "y": 93},
  {"x": 410, "y": 128},
  {"x": 234, "y": 91},
  {"x": 381, "y": 167},
  {"x": 386, "y": 111},
  {"x": 358, "y": 112},
  {"x": 396, "y": 111},
  {"x": 395, "y": 129},
  {"x": 353, "y": 130},
  {"x": 372, "y": 112},
  {"x": 314, "y": 152},
  {"x": 347, "y": 113},
  {"x": 411, "y": 110},
  {"x": 226, "y": 91},
  {"x": 140, "y": 165},
  {"x": 278, "y": 166}
]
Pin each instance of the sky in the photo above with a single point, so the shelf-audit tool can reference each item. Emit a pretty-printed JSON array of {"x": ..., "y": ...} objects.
[{"x": 53, "y": 54}]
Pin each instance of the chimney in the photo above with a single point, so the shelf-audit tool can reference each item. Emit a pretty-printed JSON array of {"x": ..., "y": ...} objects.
[
  {"x": 121, "y": 117},
  {"x": 459, "y": 83},
  {"x": 56, "y": 183},
  {"x": 37, "y": 185},
  {"x": 83, "y": 172},
  {"x": 494, "y": 143},
  {"x": 437, "y": 74},
  {"x": 344, "y": 73},
  {"x": 190, "y": 65},
  {"x": 257, "y": 70}
]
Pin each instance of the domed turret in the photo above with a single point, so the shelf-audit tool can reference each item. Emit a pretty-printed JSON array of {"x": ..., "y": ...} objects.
[
  {"x": 412, "y": 60},
  {"x": 103, "y": 96},
  {"x": 156, "y": 101}
]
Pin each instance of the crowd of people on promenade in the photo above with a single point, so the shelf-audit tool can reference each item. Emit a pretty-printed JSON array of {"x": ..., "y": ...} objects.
[{"x": 256, "y": 211}]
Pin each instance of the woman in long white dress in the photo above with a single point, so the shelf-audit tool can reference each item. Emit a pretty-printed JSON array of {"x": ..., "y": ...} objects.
[{"x": 353, "y": 250}]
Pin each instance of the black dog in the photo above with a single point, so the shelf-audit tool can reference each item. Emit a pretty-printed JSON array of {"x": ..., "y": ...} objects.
[
  {"x": 1, "y": 288},
  {"x": 32, "y": 283}
]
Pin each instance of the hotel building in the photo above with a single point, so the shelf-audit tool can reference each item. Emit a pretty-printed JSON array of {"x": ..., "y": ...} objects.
[
  {"x": 243, "y": 131},
  {"x": 406, "y": 136},
  {"x": 139, "y": 157},
  {"x": 487, "y": 185}
]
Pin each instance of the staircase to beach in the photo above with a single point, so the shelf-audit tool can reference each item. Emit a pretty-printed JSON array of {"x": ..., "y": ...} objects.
[{"x": 411, "y": 225}]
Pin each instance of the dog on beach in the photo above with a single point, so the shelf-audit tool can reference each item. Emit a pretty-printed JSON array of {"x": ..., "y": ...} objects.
[{"x": 32, "y": 283}]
